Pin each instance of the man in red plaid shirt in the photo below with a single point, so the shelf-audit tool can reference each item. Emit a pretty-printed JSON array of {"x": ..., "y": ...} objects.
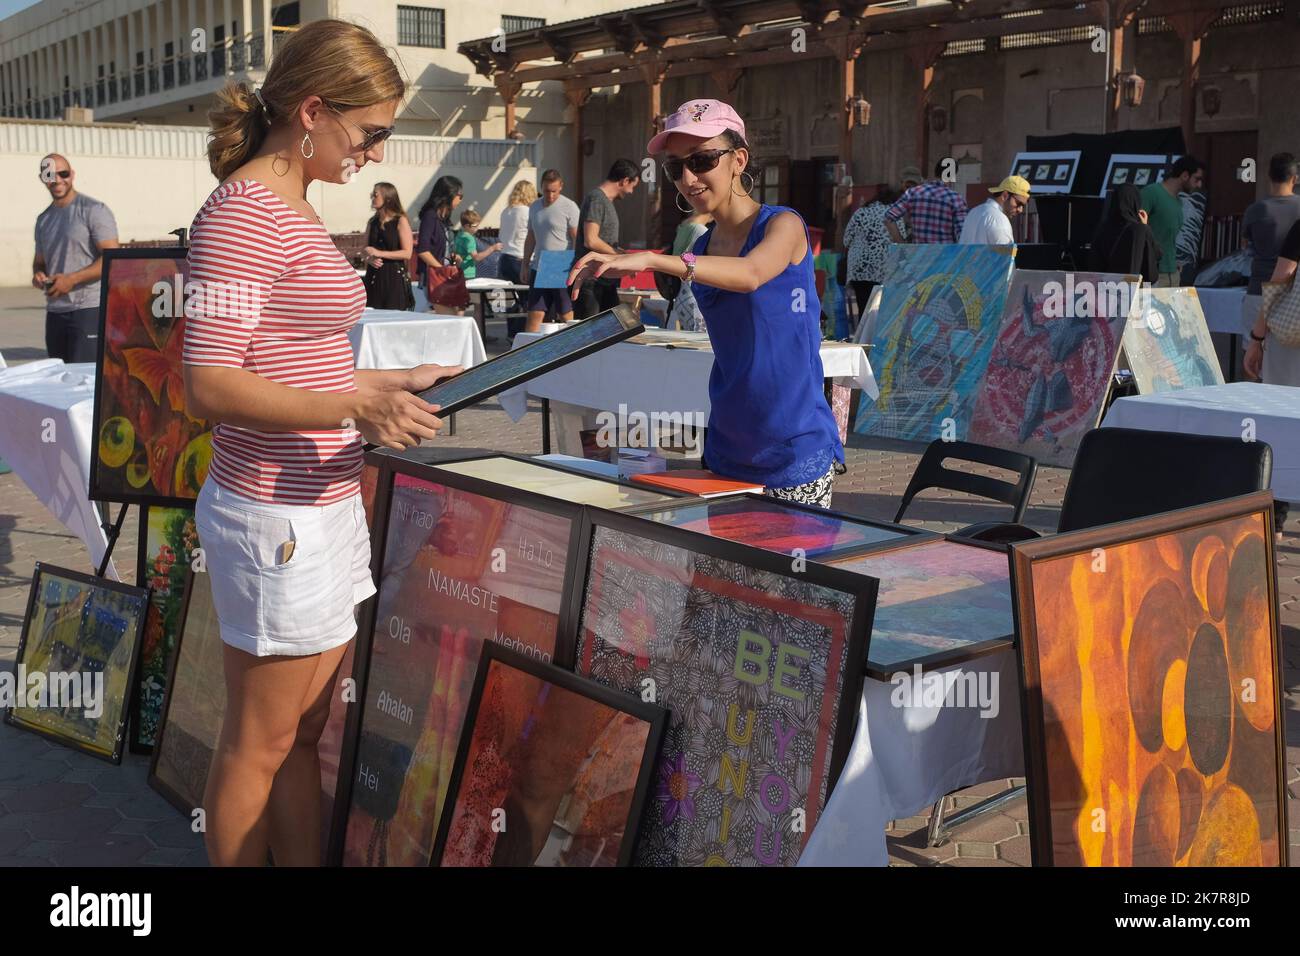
[{"x": 932, "y": 211}]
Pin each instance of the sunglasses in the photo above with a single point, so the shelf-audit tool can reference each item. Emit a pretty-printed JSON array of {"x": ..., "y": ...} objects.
[
  {"x": 701, "y": 162},
  {"x": 61, "y": 173},
  {"x": 369, "y": 140}
]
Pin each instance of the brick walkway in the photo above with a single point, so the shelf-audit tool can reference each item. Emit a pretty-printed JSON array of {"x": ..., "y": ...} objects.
[{"x": 59, "y": 807}]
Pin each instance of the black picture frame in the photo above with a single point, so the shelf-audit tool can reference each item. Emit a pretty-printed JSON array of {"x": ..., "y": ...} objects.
[
  {"x": 908, "y": 535},
  {"x": 945, "y": 658},
  {"x": 422, "y": 463},
  {"x": 1023, "y": 556},
  {"x": 863, "y": 588},
  {"x": 40, "y": 570},
  {"x": 656, "y": 717},
  {"x": 624, "y": 325},
  {"x": 98, "y": 489}
]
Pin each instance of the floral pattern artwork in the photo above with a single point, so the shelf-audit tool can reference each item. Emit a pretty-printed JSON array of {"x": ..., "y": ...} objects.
[
  {"x": 146, "y": 448},
  {"x": 169, "y": 540},
  {"x": 752, "y": 666},
  {"x": 1152, "y": 696}
]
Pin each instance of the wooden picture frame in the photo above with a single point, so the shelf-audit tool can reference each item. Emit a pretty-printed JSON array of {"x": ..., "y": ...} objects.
[{"x": 1179, "y": 644}]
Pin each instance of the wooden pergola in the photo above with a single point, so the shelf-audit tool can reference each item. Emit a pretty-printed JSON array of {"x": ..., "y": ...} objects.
[{"x": 722, "y": 37}]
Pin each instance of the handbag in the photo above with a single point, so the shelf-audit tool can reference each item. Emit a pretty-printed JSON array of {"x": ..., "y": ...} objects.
[
  {"x": 1280, "y": 306},
  {"x": 445, "y": 286}
]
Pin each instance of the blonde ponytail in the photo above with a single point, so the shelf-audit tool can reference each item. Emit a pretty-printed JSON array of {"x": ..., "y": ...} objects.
[{"x": 342, "y": 63}]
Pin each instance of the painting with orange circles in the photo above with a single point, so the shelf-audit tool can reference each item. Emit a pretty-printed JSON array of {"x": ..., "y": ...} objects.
[{"x": 1151, "y": 675}]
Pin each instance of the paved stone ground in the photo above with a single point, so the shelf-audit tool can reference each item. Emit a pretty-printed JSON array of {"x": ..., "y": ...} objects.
[{"x": 58, "y": 807}]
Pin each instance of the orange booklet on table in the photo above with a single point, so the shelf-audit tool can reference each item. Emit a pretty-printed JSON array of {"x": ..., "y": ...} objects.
[{"x": 695, "y": 481}]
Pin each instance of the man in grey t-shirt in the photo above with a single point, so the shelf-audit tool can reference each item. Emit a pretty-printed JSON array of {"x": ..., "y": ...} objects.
[
  {"x": 552, "y": 227},
  {"x": 598, "y": 232},
  {"x": 1265, "y": 225},
  {"x": 71, "y": 234}
]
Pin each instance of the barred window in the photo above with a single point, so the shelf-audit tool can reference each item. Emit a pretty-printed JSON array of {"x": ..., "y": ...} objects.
[
  {"x": 1056, "y": 37},
  {"x": 421, "y": 26},
  {"x": 961, "y": 47},
  {"x": 516, "y": 24}
]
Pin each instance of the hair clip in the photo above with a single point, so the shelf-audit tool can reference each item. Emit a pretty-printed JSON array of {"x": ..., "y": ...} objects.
[{"x": 257, "y": 93}]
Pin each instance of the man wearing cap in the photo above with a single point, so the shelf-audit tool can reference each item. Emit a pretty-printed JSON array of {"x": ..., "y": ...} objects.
[{"x": 989, "y": 223}]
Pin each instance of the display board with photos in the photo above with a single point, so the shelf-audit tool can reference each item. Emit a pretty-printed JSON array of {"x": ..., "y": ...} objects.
[
  {"x": 941, "y": 601},
  {"x": 804, "y": 532},
  {"x": 1136, "y": 169},
  {"x": 760, "y": 667},
  {"x": 465, "y": 560},
  {"x": 563, "y": 762},
  {"x": 1151, "y": 668},
  {"x": 76, "y": 660},
  {"x": 168, "y": 538},
  {"x": 146, "y": 448},
  {"x": 1052, "y": 362},
  {"x": 1052, "y": 171},
  {"x": 1167, "y": 343},
  {"x": 938, "y": 321}
]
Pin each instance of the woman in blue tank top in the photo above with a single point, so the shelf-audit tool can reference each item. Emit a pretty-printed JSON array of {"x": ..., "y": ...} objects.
[{"x": 752, "y": 276}]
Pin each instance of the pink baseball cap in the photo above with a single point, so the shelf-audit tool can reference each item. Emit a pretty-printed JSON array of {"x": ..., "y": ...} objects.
[{"x": 702, "y": 118}]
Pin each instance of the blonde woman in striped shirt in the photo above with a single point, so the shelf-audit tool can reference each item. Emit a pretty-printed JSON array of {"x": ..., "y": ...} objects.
[{"x": 267, "y": 358}]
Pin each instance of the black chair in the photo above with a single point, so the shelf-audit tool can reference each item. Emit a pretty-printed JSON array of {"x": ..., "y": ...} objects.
[
  {"x": 931, "y": 473},
  {"x": 1125, "y": 473}
]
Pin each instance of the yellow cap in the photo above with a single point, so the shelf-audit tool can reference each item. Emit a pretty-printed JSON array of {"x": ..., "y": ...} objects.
[{"x": 1016, "y": 185}]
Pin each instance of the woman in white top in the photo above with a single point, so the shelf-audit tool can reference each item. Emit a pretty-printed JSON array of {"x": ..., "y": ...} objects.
[{"x": 514, "y": 229}]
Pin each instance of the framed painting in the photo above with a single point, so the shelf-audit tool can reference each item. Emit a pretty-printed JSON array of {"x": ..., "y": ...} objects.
[
  {"x": 1167, "y": 343},
  {"x": 940, "y": 602},
  {"x": 76, "y": 660},
  {"x": 167, "y": 541},
  {"x": 554, "y": 481},
  {"x": 146, "y": 449},
  {"x": 463, "y": 562},
  {"x": 938, "y": 320},
  {"x": 801, "y": 531},
  {"x": 1052, "y": 362},
  {"x": 1151, "y": 667},
  {"x": 564, "y": 763},
  {"x": 760, "y": 666},
  {"x": 194, "y": 705}
]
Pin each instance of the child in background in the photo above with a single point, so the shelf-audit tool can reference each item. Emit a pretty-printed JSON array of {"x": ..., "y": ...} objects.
[{"x": 465, "y": 245}]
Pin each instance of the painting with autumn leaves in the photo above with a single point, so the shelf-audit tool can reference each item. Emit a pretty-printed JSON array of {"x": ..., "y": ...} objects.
[
  {"x": 1152, "y": 683},
  {"x": 760, "y": 669},
  {"x": 552, "y": 769},
  {"x": 146, "y": 450}
]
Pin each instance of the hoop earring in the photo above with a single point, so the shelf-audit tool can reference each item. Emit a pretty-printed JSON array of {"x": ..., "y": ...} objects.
[
  {"x": 676, "y": 202},
  {"x": 748, "y": 191},
  {"x": 302, "y": 147}
]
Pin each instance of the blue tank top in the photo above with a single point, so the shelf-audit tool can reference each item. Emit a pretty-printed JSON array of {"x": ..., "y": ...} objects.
[{"x": 769, "y": 421}]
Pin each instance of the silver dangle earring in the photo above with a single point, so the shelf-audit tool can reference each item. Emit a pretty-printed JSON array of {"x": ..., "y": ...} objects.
[
  {"x": 302, "y": 147},
  {"x": 677, "y": 202}
]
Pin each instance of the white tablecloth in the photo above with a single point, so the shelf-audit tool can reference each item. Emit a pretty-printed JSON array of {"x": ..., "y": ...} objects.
[
  {"x": 904, "y": 758},
  {"x": 384, "y": 339},
  {"x": 653, "y": 378},
  {"x": 1222, "y": 308},
  {"x": 1222, "y": 410},
  {"x": 46, "y": 413}
]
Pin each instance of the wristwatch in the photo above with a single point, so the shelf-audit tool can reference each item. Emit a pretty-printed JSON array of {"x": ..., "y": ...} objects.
[
  {"x": 689, "y": 259},
  {"x": 1258, "y": 338}
]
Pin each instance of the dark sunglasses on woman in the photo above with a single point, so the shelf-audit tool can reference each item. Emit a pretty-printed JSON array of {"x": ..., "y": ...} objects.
[
  {"x": 701, "y": 162},
  {"x": 371, "y": 139}
]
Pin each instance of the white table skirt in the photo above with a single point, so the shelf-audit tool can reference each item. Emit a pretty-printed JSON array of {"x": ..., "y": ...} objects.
[
  {"x": 905, "y": 756},
  {"x": 1222, "y": 308},
  {"x": 653, "y": 378},
  {"x": 389, "y": 339},
  {"x": 46, "y": 417},
  {"x": 1222, "y": 410}
]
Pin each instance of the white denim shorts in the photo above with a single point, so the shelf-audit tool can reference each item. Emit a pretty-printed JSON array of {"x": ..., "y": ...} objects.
[{"x": 267, "y": 605}]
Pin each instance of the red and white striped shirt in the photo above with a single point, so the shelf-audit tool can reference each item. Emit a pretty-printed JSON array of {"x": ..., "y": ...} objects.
[{"x": 275, "y": 297}]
